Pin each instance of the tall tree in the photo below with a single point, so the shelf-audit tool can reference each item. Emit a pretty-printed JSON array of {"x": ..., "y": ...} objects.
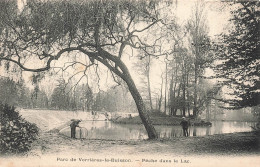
[
  {"x": 88, "y": 94},
  {"x": 143, "y": 67},
  {"x": 45, "y": 31},
  {"x": 239, "y": 52},
  {"x": 39, "y": 99},
  {"x": 199, "y": 44},
  {"x": 60, "y": 97},
  {"x": 160, "y": 96}
]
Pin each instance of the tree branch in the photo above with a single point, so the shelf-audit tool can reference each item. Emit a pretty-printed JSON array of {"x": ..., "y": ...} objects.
[{"x": 48, "y": 64}]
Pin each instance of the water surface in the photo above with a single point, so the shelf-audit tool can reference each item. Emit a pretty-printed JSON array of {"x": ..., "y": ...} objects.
[{"x": 112, "y": 131}]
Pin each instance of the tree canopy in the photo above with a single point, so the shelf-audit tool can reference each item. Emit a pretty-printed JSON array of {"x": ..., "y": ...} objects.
[
  {"x": 238, "y": 55},
  {"x": 46, "y": 30}
]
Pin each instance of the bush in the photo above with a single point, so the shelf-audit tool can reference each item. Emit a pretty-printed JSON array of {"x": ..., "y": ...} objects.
[{"x": 16, "y": 133}]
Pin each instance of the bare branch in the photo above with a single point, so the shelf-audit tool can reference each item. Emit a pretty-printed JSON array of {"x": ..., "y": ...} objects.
[
  {"x": 145, "y": 28},
  {"x": 114, "y": 78},
  {"x": 48, "y": 64},
  {"x": 75, "y": 85}
]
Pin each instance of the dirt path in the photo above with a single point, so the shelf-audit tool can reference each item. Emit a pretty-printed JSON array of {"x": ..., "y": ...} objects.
[{"x": 55, "y": 150}]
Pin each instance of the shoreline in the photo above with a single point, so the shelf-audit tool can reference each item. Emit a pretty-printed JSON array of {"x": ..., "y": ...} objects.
[
  {"x": 240, "y": 143},
  {"x": 49, "y": 142}
]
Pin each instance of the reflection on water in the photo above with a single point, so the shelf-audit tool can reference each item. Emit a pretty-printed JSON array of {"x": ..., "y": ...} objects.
[{"x": 109, "y": 130}]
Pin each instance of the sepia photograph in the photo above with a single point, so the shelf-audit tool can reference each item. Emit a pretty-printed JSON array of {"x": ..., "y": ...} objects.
[{"x": 129, "y": 83}]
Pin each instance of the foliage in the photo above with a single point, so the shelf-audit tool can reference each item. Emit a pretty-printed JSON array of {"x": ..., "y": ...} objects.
[
  {"x": 60, "y": 98},
  {"x": 8, "y": 91},
  {"x": 238, "y": 52},
  {"x": 88, "y": 95},
  {"x": 16, "y": 133},
  {"x": 39, "y": 98},
  {"x": 14, "y": 93},
  {"x": 256, "y": 113},
  {"x": 117, "y": 99},
  {"x": 81, "y": 97},
  {"x": 68, "y": 97},
  {"x": 17, "y": 93},
  {"x": 54, "y": 25}
]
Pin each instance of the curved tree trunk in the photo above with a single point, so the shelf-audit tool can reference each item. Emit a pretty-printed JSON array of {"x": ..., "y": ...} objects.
[
  {"x": 141, "y": 109},
  {"x": 138, "y": 101},
  {"x": 121, "y": 70}
]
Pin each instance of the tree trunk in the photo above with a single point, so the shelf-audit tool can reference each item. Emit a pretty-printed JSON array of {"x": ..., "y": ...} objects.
[
  {"x": 165, "y": 98},
  {"x": 149, "y": 85},
  {"x": 178, "y": 99},
  {"x": 174, "y": 90},
  {"x": 160, "y": 99},
  {"x": 207, "y": 113},
  {"x": 171, "y": 96},
  {"x": 183, "y": 97},
  {"x": 195, "y": 109},
  {"x": 125, "y": 75},
  {"x": 188, "y": 95},
  {"x": 141, "y": 109}
]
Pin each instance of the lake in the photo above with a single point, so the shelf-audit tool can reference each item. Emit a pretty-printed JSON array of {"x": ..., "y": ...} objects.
[{"x": 111, "y": 131}]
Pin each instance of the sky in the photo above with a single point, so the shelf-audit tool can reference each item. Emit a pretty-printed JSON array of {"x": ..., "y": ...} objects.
[
  {"x": 217, "y": 19},
  {"x": 216, "y": 14}
]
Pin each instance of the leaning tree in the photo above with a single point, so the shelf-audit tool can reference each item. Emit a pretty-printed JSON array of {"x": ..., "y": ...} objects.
[{"x": 44, "y": 32}]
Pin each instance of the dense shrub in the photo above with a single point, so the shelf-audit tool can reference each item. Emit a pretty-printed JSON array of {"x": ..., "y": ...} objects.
[{"x": 16, "y": 133}]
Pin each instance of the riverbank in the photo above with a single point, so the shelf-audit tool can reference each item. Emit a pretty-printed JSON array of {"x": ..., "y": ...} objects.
[
  {"x": 159, "y": 118},
  {"x": 50, "y": 141},
  {"x": 245, "y": 143},
  {"x": 51, "y": 148}
]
